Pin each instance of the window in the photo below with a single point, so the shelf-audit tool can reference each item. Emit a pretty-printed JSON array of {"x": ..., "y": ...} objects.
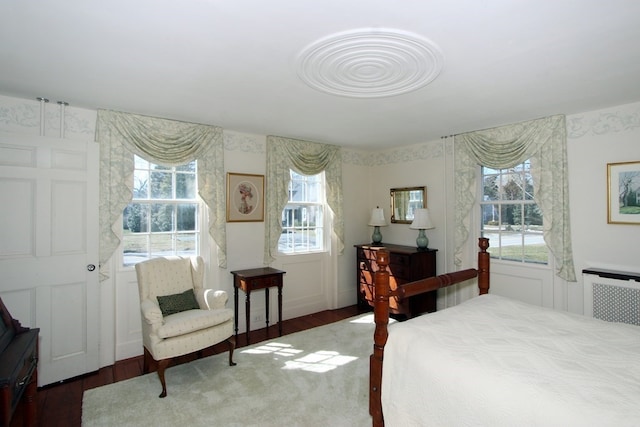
[
  {"x": 511, "y": 218},
  {"x": 163, "y": 217},
  {"x": 303, "y": 216}
]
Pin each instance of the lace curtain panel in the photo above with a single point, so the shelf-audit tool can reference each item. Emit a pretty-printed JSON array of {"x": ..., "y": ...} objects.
[
  {"x": 161, "y": 141},
  {"x": 307, "y": 158},
  {"x": 544, "y": 142}
]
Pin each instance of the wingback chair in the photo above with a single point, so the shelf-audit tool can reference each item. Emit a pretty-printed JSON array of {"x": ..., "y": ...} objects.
[{"x": 179, "y": 316}]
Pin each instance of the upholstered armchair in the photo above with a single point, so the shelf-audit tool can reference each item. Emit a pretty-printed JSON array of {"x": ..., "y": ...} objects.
[{"x": 179, "y": 316}]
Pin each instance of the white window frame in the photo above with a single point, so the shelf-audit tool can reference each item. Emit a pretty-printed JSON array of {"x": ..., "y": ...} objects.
[
  {"x": 199, "y": 225},
  {"x": 527, "y": 235},
  {"x": 289, "y": 227}
]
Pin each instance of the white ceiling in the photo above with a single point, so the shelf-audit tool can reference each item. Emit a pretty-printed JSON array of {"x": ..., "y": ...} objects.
[{"x": 234, "y": 64}]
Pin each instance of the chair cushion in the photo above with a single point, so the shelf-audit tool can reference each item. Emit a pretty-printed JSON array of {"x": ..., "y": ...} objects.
[
  {"x": 193, "y": 320},
  {"x": 171, "y": 304}
]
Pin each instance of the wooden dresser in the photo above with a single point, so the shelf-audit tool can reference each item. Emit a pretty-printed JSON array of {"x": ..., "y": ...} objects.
[
  {"x": 406, "y": 264},
  {"x": 18, "y": 369}
]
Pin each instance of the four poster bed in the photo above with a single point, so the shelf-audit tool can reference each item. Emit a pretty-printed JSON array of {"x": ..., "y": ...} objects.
[{"x": 493, "y": 361}]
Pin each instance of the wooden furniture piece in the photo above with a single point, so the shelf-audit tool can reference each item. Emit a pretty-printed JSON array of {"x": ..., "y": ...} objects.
[
  {"x": 406, "y": 264},
  {"x": 381, "y": 310},
  {"x": 190, "y": 317},
  {"x": 18, "y": 369},
  {"x": 252, "y": 280},
  {"x": 493, "y": 360}
]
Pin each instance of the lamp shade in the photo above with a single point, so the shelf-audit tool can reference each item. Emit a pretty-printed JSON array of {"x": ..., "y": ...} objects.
[
  {"x": 421, "y": 220},
  {"x": 377, "y": 218}
]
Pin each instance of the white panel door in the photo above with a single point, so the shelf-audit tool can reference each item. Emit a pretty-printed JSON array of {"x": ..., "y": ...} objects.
[{"x": 49, "y": 248}]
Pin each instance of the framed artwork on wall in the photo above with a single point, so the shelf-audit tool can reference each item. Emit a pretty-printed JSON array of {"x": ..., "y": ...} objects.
[
  {"x": 245, "y": 197},
  {"x": 623, "y": 193}
]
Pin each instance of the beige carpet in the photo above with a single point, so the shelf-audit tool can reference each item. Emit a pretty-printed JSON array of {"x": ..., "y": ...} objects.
[{"x": 317, "y": 377}]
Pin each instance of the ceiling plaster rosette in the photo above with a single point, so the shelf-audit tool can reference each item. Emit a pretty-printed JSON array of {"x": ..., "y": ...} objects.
[{"x": 370, "y": 63}]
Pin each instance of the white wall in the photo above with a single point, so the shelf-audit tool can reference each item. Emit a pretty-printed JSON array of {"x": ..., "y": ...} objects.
[{"x": 594, "y": 139}]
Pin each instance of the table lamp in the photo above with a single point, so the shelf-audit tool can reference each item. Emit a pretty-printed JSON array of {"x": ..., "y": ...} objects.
[
  {"x": 377, "y": 220},
  {"x": 421, "y": 222}
]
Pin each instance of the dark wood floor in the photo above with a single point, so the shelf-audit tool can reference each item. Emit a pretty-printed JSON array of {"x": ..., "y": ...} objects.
[{"x": 61, "y": 404}]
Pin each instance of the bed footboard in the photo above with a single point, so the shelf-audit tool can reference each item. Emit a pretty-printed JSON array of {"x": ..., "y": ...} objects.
[{"x": 381, "y": 312}]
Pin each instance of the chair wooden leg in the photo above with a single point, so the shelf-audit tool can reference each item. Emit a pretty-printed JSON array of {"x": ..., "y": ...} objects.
[
  {"x": 148, "y": 363},
  {"x": 162, "y": 365},
  {"x": 232, "y": 345}
]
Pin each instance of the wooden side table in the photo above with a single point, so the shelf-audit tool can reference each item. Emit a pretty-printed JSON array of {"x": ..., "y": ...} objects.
[{"x": 254, "y": 279}]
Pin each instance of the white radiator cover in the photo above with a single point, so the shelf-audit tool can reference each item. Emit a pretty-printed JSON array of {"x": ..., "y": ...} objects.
[{"x": 612, "y": 297}]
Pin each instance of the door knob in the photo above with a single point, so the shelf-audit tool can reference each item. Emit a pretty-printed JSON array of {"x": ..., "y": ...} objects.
[{"x": 91, "y": 267}]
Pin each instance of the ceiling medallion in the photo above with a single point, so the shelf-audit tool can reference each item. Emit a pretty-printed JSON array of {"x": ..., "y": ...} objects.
[{"x": 370, "y": 63}]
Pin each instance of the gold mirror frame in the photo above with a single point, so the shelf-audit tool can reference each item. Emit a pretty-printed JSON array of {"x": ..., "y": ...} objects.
[{"x": 404, "y": 201}]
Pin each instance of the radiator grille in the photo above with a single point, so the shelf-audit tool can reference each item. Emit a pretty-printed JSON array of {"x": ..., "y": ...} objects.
[
  {"x": 610, "y": 298},
  {"x": 616, "y": 303}
]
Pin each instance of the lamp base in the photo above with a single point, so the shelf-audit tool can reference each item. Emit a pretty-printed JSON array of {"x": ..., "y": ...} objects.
[
  {"x": 376, "y": 237},
  {"x": 422, "y": 241}
]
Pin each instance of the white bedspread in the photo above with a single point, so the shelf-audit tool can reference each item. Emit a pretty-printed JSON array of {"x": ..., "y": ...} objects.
[{"x": 492, "y": 361}]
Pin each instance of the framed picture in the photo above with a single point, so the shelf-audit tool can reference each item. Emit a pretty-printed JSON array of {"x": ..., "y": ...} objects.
[
  {"x": 623, "y": 193},
  {"x": 245, "y": 197}
]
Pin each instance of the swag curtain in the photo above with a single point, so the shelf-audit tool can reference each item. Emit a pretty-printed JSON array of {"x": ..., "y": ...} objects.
[
  {"x": 307, "y": 158},
  {"x": 544, "y": 142},
  {"x": 165, "y": 142}
]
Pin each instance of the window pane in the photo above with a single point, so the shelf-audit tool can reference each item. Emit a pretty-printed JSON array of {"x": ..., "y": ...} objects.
[
  {"x": 512, "y": 190},
  {"x": 161, "y": 185},
  {"x": 161, "y": 244},
  {"x": 490, "y": 190},
  {"x": 141, "y": 184},
  {"x": 135, "y": 248},
  {"x": 136, "y": 218},
  {"x": 535, "y": 250},
  {"x": 161, "y": 217},
  {"x": 296, "y": 191},
  {"x": 528, "y": 187},
  {"x": 511, "y": 246},
  {"x": 314, "y": 191},
  {"x": 185, "y": 186},
  {"x": 140, "y": 163},
  {"x": 186, "y": 244},
  {"x": 490, "y": 217},
  {"x": 189, "y": 167},
  {"x": 186, "y": 217}
]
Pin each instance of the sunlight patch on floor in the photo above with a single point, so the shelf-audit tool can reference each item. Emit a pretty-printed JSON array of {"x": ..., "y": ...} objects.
[
  {"x": 368, "y": 319},
  {"x": 320, "y": 361},
  {"x": 274, "y": 348}
]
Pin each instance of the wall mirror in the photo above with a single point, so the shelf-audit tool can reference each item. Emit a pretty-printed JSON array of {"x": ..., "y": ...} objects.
[{"x": 404, "y": 201}]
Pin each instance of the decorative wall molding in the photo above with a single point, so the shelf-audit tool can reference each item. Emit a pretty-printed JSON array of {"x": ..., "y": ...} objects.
[
  {"x": 23, "y": 116},
  {"x": 247, "y": 143},
  {"x": 423, "y": 151},
  {"x": 427, "y": 150},
  {"x": 356, "y": 157},
  {"x": 602, "y": 122}
]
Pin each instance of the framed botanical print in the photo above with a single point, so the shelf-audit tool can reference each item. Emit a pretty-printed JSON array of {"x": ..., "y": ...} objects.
[
  {"x": 623, "y": 193},
  {"x": 245, "y": 197}
]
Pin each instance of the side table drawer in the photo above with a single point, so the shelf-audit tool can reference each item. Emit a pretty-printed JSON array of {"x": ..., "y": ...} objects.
[{"x": 264, "y": 282}]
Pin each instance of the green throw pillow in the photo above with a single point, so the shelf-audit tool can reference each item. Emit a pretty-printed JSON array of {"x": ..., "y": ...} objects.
[{"x": 171, "y": 304}]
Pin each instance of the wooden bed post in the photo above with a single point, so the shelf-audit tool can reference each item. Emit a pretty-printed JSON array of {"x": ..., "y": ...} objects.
[
  {"x": 381, "y": 319},
  {"x": 483, "y": 266},
  {"x": 381, "y": 311}
]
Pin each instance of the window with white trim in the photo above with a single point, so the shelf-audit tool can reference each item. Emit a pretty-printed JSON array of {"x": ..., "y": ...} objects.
[
  {"x": 164, "y": 216},
  {"x": 303, "y": 218},
  {"x": 511, "y": 219}
]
